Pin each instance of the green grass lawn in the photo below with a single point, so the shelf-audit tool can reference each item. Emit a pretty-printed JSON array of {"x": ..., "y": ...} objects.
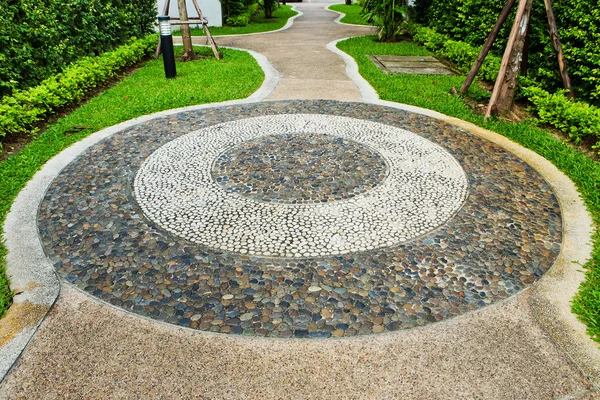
[
  {"x": 433, "y": 92},
  {"x": 258, "y": 24},
  {"x": 146, "y": 91},
  {"x": 352, "y": 14}
]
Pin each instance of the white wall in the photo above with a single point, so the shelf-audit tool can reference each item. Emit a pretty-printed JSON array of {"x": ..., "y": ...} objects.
[{"x": 211, "y": 9}]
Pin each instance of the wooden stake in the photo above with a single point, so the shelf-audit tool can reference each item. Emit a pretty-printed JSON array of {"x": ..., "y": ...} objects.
[
  {"x": 209, "y": 37},
  {"x": 558, "y": 47},
  {"x": 487, "y": 46},
  {"x": 506, "y": 82},
  {"x": 525, "y": 61},
  {"x": 165, "y": 12}
]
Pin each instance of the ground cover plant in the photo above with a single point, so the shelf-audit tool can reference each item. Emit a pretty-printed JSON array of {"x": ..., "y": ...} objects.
[
  {"x": 144, "y": 92},
  {"x": 353, "y": 14},
  {"x": 259, "y": 23},
  {"x": 434, "y": 92}
]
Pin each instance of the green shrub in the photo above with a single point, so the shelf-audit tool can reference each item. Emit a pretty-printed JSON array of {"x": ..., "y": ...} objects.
[
  {"x": 25, "y": 108},
  {"x": 40, "y": 38},
  {"x": 578, "y": 24},
  {"x": 575, "y": 118},
  {"x": 461, "y": 54},
  {"x": 238, "y": 12},
  {"x": 389, "y": 15},
  {"x": 244, "y": 18}
]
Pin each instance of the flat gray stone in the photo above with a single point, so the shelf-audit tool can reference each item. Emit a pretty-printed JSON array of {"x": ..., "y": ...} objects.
[{"x": 408, "y": 65}]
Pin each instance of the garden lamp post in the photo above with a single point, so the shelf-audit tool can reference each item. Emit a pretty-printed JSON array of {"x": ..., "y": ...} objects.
[{"x": 166, "y": 43}]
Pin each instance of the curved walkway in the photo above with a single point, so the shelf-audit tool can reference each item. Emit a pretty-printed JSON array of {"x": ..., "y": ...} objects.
[
  {"x": 310, "y": 71},
  {"x": 88, "y": 348}
]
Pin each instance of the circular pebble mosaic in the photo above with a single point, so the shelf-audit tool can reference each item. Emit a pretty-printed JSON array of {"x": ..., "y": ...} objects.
[
  {"x": 503, "y": 236},
  {"x": 178, "y": 189},
  {"x": 299, "y": 169}
]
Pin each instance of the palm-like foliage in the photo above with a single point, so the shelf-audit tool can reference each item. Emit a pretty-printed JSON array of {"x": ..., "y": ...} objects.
[{"x": 389, "y": 15}]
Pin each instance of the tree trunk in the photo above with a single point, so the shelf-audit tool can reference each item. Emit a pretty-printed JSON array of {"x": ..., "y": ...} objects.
[
  {"x": 509, "y": 85},
  {"x": 268, "y": 8},
  {"x": 348, "y": 2},
  {"x": 188, "y": 50}
]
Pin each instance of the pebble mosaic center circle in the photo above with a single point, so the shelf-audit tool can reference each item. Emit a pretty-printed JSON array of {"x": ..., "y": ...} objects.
[
  {"x": 441, "y": 221},
  {"x": 178, "y": 189},
  {"x": 299, "y": 169}
]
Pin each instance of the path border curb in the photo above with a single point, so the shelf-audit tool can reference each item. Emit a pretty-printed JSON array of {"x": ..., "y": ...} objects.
[{"x": 338, "y": 20}]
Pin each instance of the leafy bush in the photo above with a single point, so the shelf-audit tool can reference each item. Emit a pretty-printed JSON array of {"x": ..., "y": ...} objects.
[
  {"x": 238, "y": 12},
  {"x": 578, "y": 25},
  {"x": 244, "y": 18},
  {"x": 18, "y": 113},
  {"x": 575, "y": 118},
  {"x": 40, "y": 38},
  {"x": 389, "y": 15},
  {"x": 461, "y": 54}
]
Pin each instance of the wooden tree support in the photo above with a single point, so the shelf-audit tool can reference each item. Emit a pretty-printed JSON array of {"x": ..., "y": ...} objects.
[
  {"x": 514, "y": 55},
  {"x": 506, "y": 82},
  {"x": 487, "y": 46},
  {"x": 525, "y": 61},
  {"x": 558, "y": 47},
  {"x": 209, "y": 37},
  {"x": 187, "y": 23}
]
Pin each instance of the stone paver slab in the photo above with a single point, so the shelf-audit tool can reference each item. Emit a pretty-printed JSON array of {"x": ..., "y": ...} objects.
[{"x": 410, "y": 65}]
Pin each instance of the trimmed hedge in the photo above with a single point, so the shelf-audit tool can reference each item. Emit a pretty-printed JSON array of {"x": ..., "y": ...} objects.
[
  {"x": 575, "y": 118},
  {"x": 578, "y": 25},
  {"x": 18, "y": 113},
  {"x": 40, "y": 38}
]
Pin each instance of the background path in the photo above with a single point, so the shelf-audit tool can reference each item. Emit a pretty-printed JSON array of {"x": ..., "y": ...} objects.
[{"x": 307, "y": 69}]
